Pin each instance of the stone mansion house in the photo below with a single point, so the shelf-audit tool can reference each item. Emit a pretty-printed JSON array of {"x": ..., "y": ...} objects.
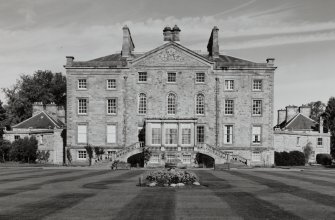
[{"x": 184, "y": 102}]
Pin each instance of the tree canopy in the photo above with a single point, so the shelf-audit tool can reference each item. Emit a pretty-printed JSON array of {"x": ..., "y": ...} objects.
[
  {"x": 329, "y": 122},
  {"x": 317, "y": 109},
  {"x": 42, "y": 86}
]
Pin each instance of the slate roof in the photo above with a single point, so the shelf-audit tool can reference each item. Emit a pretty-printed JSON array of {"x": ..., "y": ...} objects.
[
  {"x": 39, "y": 121},
  {"x": 299, "y": 123}
]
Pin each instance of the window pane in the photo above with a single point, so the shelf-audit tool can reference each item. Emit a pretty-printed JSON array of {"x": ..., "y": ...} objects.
[
  {"x": 256, "y": 134},
  {"x": 82, "y": 133},
  {"x": 82, "y": 106},
  {"x": 111, "y": 83},
  {"x": 229, "y": 84},
  {"x": 111, "y": 133},
  {"x": 171, "y": 77},
  {"x": 82, "y": 84},
  {"x": 171, "y": 104},
  {"x": 111, "y": 106},
  {"x": 186, "y": 136},
  {"x": 171, "y": 136},
  {"x": 156, "y": 136},
  {"x": 229, "y": 107},
  {"x": 200, "y": 77},
  {"x": 200, "y": 104},
  {"x": 257, "y": 107},
  {"x": 200, "y": 134},
  {"x": 228, "y": 134},
  {"x": 142, "y": 76},
  {"x": 257, "y": 85},
  {"x": 142, "y": 104}
]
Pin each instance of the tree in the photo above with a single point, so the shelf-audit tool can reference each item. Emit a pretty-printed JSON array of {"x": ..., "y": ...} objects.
[
  {"x": 89, "y": 150},
  {"x": 24, "y": 150},
  {"x": 99, "y": 151},
  {"x": 329, "y": 123},
  {"x": 3, "y": 117},
  {"x": 308, "y": 151},
  {"x": 42, "y": 86},
  {"x": 317, "y": 109},
  {"x": 146, "y": 155},
  {"x": 68, "y": 155},
  {"x": 4, "y": 150}
]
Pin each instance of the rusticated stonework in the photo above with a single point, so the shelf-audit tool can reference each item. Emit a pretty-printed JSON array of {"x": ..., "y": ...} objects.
[{"x": 169, "y": 57}]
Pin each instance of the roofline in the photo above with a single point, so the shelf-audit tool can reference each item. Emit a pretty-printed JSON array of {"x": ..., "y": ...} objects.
[
  {"x": 175, "y": 44},
  {"x": 15, "y": 126},
  {"x": 296, "y": 117}
]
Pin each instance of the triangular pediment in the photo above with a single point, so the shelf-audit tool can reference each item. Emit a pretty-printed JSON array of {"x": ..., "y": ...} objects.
[{"x": 171, "y": 54}]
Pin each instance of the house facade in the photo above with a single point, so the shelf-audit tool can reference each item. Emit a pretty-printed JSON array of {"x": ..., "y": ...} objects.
[
  {"x": 295, "y": 130},
  {"x": 47, "y": 125},
  {"x": 182, "y": 102}
]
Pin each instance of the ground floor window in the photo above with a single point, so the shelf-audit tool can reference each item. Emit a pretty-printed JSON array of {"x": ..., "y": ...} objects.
[
  {"x": 16, "y": 137},
  {"x": 82, "y": 154},
  {"x": 171, "y": 136},
  {"x": 170, "y": 157},
  {"x": 228, "y": 134},
  {"x": 154, "y": 158},
  {"x": 187, "y": 159},
  {"x": 319, "y": 141},
  {"x": 156, "y": 136},
  {"x": 256, "y": 156},
  {"x": 186, "y": 136}
]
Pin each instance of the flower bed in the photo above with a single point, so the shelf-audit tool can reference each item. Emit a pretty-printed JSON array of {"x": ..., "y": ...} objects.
[{"x": 171, "y": 178}]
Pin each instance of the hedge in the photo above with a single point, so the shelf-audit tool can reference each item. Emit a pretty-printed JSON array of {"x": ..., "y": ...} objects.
[
  {"x": 292, "y": 158},
  {"x": 324, "y": 159}
]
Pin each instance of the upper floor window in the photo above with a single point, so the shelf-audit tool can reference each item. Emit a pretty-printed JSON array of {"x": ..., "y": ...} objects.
[
  {"x": 256, "y": 107},
  {"x": 142, "y": 103},
  {"x": 256, "y": 134},
  {"x": 229, "y": 85},
  {"x": 229, "y": 107},
  {"x": 200, "y": 134},
  {"x": 82, "y": 134},
  {"x": 257, "y": 85},
  {"x": 82, "y": 106},
  {"x": 142, "y": 76},
  {"x": 200, "y": 77},
  {"x": 172, "y": 77},
  {"x": 319, "y": 141},
  {"x": 200, "y": 104},
  {"x": 111, "y": 83},
  {"x": 82, "y": 84},
  {"x": 171, "y": 107},
  {"x": 111, "y": 134},
  {"x": 111, "y": 106}
]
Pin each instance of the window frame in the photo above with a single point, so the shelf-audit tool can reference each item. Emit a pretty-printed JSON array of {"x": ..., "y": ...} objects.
[
  {"x": 107, "y": 105},
  {"x": 260, "y": 135},
  {"x": 77, "y": 133},
  {"x": 253, "y": 110},
  {"x": 231, "y": 134},
  {"x": 257, "y": 158},
  {"x": 78, "y": 105},
  {"x": 197, "y": 77},
  {"x": 198, "y": 106},
  {"x": 198, "y": 136},
  {"x": 254, "y": 83},
  {"x": 80, "y": 154},
  {"x": 171, "y": 77},
  {"x": 170, "y": 105},
  {"x": 156, "y": 137},
  {"x": 116, "y": 134},
  {"x": 139, "y": 77},
  {"x": 111, "y": 88},
  {"x": 226, "y": 107},
  {"x": 319, "y": 142},
  {"x": 227, "y": 85},
  {"x": 186, "y": 136},
  {"x": 142, "y": 110},
  {"x": 78, "y": 84},
  {"x": 169, "y": 138}
]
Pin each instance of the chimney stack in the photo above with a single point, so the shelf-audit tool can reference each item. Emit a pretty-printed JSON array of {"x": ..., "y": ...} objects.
[
  {"x": 175, "y": 33},
  {"x": 281, "y": 116},
  {"x": 167, "y": 33},
  {"x": 305, "y": 110},
  {"x": 291, "y": 111},
  {"x": 321, "y": 125},
  {"x": 213, "y": 43},
  {"x": 127, "y": 44},
  {"x": 69, "y": 60},
  {"x": 270, "y": 61}
]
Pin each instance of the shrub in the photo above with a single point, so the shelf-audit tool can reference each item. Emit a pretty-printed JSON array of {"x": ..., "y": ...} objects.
[
  {"x": 308, "y": 151},
  {"x": 4, "y": 150},
  {"x": 174, "y": 176},
  {"x": 68, "y": 155},
  {"x": 89, "y": 150},
  {"x": 43, "y": 155},
  {"x": 99, "y": 151},
  {"x": 324, "y": 159},
  {"x": 120, "y": 165},
  {"x": 293, "y": 158},
  {"x": 24, "y": 150}
]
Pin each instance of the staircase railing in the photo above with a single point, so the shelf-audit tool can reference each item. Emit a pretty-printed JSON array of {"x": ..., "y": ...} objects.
[
  {"x": 128, "y": 149},
  {"x": 239, "y": 159}
]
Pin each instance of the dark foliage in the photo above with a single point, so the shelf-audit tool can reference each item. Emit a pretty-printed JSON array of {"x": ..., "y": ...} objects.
[
  {"x": 4, "y": 150},
  {"x": 24, "y": 150},
  {"x": 89, "y": 151},
  {"x": 204, "y": 160},
  {"x": 324, "y": 159},
  {"x": 329, "y": 123},
  {"x": 43, "y": 86},
  {"x": 293, "y": 158}
]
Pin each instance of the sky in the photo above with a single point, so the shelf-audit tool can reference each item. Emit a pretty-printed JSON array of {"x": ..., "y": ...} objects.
[{"x": 299, "y": 34}]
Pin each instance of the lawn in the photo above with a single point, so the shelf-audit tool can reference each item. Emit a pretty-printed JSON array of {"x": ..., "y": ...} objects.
[{"x": 36, "y": 193}]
